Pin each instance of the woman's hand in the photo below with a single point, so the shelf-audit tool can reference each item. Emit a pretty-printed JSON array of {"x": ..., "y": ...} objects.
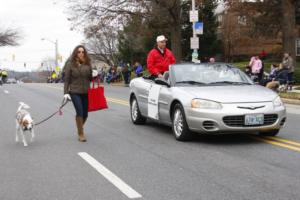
[{"x": 67, "y": 97}]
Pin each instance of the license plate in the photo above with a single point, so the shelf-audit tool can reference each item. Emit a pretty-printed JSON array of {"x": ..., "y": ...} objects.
[{"x": 254, "y": 120}]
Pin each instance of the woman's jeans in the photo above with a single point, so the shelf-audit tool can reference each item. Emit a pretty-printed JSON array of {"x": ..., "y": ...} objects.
[{"x": 80, "y": 102}]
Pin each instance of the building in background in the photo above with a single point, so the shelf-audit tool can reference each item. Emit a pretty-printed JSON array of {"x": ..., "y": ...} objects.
[{"x": 235, "y": 31}]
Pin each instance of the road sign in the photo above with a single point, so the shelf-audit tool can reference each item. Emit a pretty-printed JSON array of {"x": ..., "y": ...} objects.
[
  {"x": 194, "y": 16},
  {"x": 198, "y": 28},
  {"x": 194, "y": 43}
]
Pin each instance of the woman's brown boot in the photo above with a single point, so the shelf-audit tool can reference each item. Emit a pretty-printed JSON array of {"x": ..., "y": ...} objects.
[{"x": 79, "y": 123}]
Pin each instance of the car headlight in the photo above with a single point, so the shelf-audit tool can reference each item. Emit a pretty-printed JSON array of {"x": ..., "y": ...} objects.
[
  {"x": 205, "y": 104},
  {"x": 277, "y": 102}
]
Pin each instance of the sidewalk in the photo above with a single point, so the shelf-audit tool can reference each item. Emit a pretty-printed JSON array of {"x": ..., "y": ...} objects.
[{"x": 291, "y": 101}]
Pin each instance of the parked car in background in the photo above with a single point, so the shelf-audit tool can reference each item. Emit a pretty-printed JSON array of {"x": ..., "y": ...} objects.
[{"x": 11, "y": 81}]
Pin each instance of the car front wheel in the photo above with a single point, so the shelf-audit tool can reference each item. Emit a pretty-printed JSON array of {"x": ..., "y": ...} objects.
[
  {"x": 179, "y": 125},
  {"x": 135, "y": 113}
]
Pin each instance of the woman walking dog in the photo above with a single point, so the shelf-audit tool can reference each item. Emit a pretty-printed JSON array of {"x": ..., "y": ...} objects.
[{"x": 78, "y": 75}]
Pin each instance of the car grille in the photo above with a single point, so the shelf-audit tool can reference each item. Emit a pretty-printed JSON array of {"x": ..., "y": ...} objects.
[{"x": 239, "y": 121}]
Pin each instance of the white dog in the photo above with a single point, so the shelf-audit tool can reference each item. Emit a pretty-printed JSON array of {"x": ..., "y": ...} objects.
[{"x": 24, "y": 122}]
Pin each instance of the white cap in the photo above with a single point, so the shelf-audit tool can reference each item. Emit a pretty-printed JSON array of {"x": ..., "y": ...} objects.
[{"x": 161, "y": 38}]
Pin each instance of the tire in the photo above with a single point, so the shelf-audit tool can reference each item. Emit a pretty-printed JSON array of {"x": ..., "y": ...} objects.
[
  {"x": 136, "y": 116},
  {"x": 269, "y": 133},
  {"x": 179, "y": 126}
]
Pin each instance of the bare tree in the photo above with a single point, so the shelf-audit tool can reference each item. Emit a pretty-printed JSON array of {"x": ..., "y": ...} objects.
[
  {"x": 9, "y": 37},
  {"x": 162, "y": 14},
  {"x": 102, "y": 43}
]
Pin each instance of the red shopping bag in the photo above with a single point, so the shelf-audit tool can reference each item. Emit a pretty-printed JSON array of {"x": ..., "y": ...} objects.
[{"x": 97, "y": 100}]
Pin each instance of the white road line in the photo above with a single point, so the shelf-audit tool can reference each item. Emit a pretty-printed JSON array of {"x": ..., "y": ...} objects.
[
  {"x": 6, "y": 91},
  {"x": 116, "y": 181}
]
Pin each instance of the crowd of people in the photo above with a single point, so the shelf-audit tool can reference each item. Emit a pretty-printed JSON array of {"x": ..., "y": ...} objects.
[
  {"x": 120, "y": 73},
  {"x": 280, "y": 76}
]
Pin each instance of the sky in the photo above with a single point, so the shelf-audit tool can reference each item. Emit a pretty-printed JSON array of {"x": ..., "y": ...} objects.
[{"x": 36, "y": 19}]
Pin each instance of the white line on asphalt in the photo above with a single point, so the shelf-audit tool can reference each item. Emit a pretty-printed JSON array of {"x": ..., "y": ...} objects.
[
  {"x": 6, "y": 91},
  {"x": 116, "y": 181}
]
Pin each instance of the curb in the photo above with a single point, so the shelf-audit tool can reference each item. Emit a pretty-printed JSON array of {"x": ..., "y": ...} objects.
[{"x": 291, "y": 101}]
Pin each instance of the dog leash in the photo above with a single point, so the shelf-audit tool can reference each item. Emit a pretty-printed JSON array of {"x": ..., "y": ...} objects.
[{"x": 63, "y": 103}]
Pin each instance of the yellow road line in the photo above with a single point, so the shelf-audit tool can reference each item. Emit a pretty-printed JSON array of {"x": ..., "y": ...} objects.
[
  {"x": 283, "y": 140},
  {"x": 119, "y": 101},
  {"x": 277, "y": 143}
]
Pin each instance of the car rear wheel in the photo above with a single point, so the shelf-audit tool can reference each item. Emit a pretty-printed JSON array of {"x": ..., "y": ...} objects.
[
  {"x": 269, "y": 133},
  {"x": 179, "y": 126},
  {"x": 135, "y": 113}
]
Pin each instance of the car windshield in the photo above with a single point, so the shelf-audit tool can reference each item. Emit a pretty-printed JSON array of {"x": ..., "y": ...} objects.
[{"x": 209, "y": 74}]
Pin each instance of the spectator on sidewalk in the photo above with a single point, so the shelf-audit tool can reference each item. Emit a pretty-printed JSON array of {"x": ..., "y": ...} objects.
[
  {"x": 126, "y": 73},
  {"x": 138, "y": 68},
  {"x": 53, "y": 77},
  {"x": 281, "y": 77},
  {"x": 256, "y": 67},
  {"x": 288, "y": 63}
]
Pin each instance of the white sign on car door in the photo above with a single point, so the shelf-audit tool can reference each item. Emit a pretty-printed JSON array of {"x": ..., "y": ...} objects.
[{"x": 153, "y": 102}]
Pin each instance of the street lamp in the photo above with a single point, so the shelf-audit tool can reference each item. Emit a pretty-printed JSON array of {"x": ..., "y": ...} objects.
[{"x": 56, "y": 49}]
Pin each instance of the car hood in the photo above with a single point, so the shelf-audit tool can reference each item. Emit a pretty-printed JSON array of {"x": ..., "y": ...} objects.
[{"x": 232, "y": 94}]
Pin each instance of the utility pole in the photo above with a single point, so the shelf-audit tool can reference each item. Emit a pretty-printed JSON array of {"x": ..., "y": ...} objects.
[
  {"x": 56, "y": 54},
  {"x": 56, "y": 51},
  {"x": 194, "y": 17}
]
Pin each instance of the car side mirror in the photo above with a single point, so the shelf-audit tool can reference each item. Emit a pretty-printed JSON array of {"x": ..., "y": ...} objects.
[{"x": 161, "y": 81}]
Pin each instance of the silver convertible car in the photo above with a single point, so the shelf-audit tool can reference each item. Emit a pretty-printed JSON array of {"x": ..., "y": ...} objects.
[{"x": 206, "y": 98}]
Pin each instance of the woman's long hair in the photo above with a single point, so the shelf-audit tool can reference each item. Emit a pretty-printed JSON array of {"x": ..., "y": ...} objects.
[{"x": 75, "y": 60}]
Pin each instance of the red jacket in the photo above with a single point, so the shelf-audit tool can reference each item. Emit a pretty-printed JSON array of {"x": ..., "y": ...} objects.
[{"x": 158, "y": 63}]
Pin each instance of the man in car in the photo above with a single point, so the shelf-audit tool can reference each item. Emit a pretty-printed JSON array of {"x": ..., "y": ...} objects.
[{"x": 160, "y": 58}]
